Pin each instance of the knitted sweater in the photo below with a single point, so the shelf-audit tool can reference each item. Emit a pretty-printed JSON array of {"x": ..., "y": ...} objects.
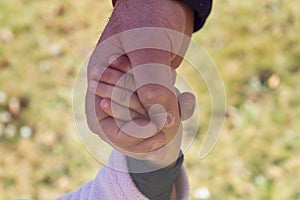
[{"x": 112, "y": 184}]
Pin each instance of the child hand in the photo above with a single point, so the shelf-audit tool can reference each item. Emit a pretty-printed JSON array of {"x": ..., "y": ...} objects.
[{"x": 110, "y": 81}]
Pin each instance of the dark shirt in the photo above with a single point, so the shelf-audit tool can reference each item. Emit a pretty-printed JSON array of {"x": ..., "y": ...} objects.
[
  {"x": 202, "y": 10},
  {"x": 156, "y": 185}
]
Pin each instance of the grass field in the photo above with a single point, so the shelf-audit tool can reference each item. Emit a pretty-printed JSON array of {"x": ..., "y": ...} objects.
[{"x": 256, "y": 47}]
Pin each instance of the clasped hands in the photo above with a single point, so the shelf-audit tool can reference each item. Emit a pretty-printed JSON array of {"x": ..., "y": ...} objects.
[
  {"x": 116, "y": 118},
  {"x": 142, "y": 121}
]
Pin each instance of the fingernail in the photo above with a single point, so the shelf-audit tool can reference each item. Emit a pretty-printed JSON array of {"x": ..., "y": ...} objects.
[
  {"x": 104, "y": 104},
  {"x": 93, "y": 85},
  {"x": 170, "y": 119},
  {"x": 157, "y": 146}
]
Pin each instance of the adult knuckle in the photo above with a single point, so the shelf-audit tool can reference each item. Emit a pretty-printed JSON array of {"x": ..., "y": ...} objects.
[{"x": 108, "y": 75}]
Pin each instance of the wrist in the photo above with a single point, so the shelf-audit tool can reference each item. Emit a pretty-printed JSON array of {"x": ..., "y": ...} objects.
[{"x": 172, "y": 14}]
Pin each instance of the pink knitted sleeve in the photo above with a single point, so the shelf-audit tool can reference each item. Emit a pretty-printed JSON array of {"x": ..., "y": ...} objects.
[{"x": 114, "y": 184}]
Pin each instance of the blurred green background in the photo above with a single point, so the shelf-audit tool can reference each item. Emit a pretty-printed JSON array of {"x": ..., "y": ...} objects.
[{"x": 255, "y": 44}]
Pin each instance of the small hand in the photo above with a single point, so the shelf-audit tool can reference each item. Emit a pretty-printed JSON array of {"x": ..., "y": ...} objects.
[
  {"x": 108, "y": 79},
  {"x": 104, "y": 81},
  {"x": 128, "y": 15}
]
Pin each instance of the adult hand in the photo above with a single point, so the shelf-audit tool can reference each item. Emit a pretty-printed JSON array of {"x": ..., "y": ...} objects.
[
  {"x": 132, "y": 14},
  {"x": 116, "y": 86},
  {"x": 108, "y": 80}
]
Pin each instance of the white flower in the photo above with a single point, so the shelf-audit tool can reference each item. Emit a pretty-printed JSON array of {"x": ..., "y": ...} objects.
[
  {"x": 25, "y": 132},
  {"x": 55, "y": 50},
  {"x": 202, "y": 193}
]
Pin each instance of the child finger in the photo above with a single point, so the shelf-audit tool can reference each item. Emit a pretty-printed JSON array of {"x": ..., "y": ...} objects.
[
  {"x": 121, "y": 96},
  {"x": 113, "y": 77},
  {"x": 118, "y": 136},
  {"x": 117, "y": 111}
]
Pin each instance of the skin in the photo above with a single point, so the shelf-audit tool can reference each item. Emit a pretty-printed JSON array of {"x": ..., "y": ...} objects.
[{"x": 129, "y": 14}]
